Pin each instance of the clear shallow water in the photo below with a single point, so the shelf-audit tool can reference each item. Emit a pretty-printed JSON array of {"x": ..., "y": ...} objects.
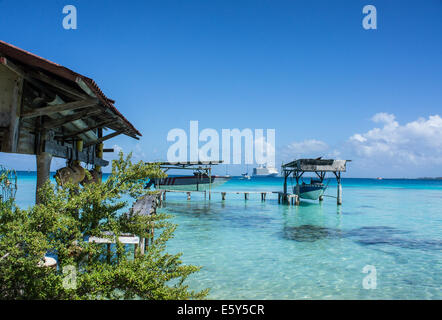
[{"x": 263, "y": 250}]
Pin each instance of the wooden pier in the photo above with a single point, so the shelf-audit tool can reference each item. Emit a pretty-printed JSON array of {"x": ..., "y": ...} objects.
[{"x": 207, "y": 194}]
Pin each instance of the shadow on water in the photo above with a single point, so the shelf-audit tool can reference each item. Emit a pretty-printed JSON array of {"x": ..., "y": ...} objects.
[
  {"x": 306, "y": 223},
  {"x": 381, "y": 235},
  {"x": 309, "y": 233},
  {"x": 249, "y": 217},
  {"x": 365, "y": 236}
]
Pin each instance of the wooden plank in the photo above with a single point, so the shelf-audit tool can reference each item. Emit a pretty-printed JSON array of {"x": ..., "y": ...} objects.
[
  {"x": 68, "y": 119},
  {"x": 99, "y": 125},
  {"x": 66, "y": 152},
  {"x": 109, "y": 136},
  {"x": 122, "y": 239},
  {"x": 34, "y": 78},
  {"x": 67, "y": 90},
  {"x": 59, "y": 108},
  {"x": 11, "y": 66}
]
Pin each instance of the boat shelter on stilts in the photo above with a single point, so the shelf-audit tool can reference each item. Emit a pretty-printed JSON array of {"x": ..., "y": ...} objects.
[
  {"x": 201, "y": 169},
  {"x": 320, "y": 167}
]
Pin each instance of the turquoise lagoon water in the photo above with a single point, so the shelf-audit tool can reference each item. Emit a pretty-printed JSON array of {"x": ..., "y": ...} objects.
[{"x": 264, "y": 250}]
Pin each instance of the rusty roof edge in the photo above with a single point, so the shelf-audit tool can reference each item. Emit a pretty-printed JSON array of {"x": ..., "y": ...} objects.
[{"x": 106, "y": 101}]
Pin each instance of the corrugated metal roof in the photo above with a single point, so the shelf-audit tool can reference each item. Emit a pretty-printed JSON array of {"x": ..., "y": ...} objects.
[{"x": 30, "y": 59}]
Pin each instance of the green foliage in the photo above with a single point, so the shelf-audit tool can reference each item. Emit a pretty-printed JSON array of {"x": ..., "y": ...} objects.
[{"x": 66, "y": 217}]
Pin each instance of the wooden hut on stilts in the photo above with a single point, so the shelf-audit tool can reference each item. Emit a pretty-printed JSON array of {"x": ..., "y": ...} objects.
[{"x": 48, "y": 110}]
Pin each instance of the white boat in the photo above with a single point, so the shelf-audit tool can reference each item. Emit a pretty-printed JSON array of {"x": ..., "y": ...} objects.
[
  {"x": 197, "y": 182},
  {"x": 265, "y": 171}
]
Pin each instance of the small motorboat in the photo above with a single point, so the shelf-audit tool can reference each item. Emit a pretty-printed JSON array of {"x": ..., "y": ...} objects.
[
  {"x": 312, "y": 190},
  {"x": 196, "y": 182},
  {"x": 245, "y": 176}
]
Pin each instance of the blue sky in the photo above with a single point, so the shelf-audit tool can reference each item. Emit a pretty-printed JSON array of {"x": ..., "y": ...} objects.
[{"x": 304, "y": 68}]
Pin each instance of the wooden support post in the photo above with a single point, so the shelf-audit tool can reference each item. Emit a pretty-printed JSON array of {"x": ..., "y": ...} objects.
[
  {"x": 108, "y": 256},
  {"x": 223, "y": 195},
  {"x": 246, "y": 196},
  {"x": 79, "y": 148},
  {"x": 210, "y": 182},
  {"x": 339, "y": 196},
  {"x": 263, "y": 196},
  {"x": 14, "y": 102},
  {"x": 164, "y": 195},
  {"x": 188, "y": 195},
  {"x": 321, "y": 198},
  {"x": 142, "y": 245},
  {"x": 99, "y": 150},
  {"x": 297, "y": 195},
  {"x": 339, "y": 188},
  {"x": 43, "y": 171},
  {"x": 285, "y": 183}
]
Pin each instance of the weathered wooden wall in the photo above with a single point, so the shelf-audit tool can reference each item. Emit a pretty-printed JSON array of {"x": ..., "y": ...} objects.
[{"x": 11, "y": 87}]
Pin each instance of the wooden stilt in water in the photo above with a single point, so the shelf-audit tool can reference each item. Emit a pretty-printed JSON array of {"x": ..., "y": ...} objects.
[
  {"x": 223, "y": 195},
  {"x": 339, "y": 196},
  {"x": 321, "y": 198},
  {"x": 297, "y": 195},
  {"x": 43, "y": 171},
  {"x": 263, "y": 196},
  {"x": 339, "y": 188},
  {"x": 246, "y": 196},
  {"x": 188, "y": 195}
]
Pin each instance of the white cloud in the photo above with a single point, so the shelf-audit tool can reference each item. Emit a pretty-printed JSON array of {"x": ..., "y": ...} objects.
[
  {"x": 418, "y": 142},
  {"x": 304, "y": 149},
  {"x": 117, "y": 149}
]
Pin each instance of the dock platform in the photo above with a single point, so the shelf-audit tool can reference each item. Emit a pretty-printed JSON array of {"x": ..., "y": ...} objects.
[{"x": 292, "y": 199}]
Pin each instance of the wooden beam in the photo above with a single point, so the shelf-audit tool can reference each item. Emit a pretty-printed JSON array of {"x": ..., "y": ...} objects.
[
  {"x": 109, "y": 136},
  {"x": 99, "y": 125},
  {"x": 39, "y": 80},
  {"x": 59, "y": 108},
  {"x": 67, "y": 90},
  {"x": 67, "y": 152},
  {"x": 68, "y": 119},
  {"x": 11, "y": 66}
]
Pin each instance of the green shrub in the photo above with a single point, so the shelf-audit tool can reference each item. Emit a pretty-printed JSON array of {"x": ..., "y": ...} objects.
[{"x": 60, "y": 226}]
